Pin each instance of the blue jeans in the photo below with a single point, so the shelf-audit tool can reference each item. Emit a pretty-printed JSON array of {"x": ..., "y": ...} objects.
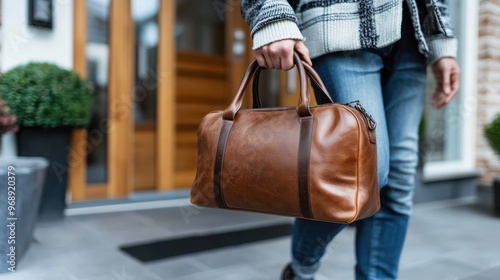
[{"x": 390, "y": 83}]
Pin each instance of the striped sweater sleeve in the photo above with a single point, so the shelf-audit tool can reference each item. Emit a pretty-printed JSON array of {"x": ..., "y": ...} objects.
[
  {"x": 441, "y": 40},
  {"x": 270, "y": 21}
]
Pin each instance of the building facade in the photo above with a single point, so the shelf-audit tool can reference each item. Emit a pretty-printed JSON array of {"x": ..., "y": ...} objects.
[
  {"x": 488, "y": 85},
  {"x": 159, "y": 66}
]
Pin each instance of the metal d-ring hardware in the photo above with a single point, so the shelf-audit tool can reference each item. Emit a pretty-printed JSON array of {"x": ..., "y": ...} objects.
[{"x": 370, "y": 121}]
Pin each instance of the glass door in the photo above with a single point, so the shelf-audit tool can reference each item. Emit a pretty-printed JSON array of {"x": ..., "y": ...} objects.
[
  {"x": 158, "y": 67},
  {"x": 100, "y": 154},
  {"x": 145, "y": 15}
]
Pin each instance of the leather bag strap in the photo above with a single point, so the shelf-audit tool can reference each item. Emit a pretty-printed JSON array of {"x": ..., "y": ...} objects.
[
  {"x": 255, "y": 90},
  {"x": 313, "y": 75},
  {"x": 304, "y": 158},
  {"x": 304, "y": 99},
  {"x": 219, "y": 162}
]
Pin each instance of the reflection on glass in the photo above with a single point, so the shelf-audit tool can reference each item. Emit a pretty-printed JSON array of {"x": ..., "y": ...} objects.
[
  {"x": 200, "y": 26},
  {"x": 147, "y": 35},
  {"x": 145, "y": 13},
  {"x": 443, "y": 127},
  {"x": 97, "y": 73}
]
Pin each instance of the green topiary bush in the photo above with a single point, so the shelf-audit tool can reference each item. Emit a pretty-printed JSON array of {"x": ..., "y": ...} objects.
[
  {"x": 492, "y": 133},
  {"x": 45, "y": 95}
]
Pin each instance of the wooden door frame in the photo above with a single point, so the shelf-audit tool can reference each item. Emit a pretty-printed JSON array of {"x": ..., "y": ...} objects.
[
  {"x": 77, "y": 170},
  {"x": 165, "y": 143},
  {"x": 237, "y": 66},
  {"x": 120, "y": 104},
  {"x": 121, "y": 69},
  {"x": 120, "y": 119}
]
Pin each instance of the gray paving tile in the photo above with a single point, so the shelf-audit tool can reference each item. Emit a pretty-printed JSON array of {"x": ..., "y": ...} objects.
[
  {"x": 443, "y": 243},
  {"x": 171, "y": 268},
  {"x": 62, "y": 234},
  {"x": 240, "y": 272},
  {"x": 254, "y": 253},
  {"x": 456, "y": 232},
  {"x": 124, "y": 273},
  {"x": 82, "y": 261},
  {"x": 437, "y": 269},
  {"x": 278, "y": 249},
  {"x": 120, "y": 228},
  {"x": 484, "y": 252},
  {"x": 18, "y": 275},
  {"x": 322, "y": 277},
  {"x": 337, "y": 262},
  {"x": 339, "y": 274},
  {"x": 232, "y": 256},
  {"x": 53, "y": 273},
  {"x": 271, "y": 270},
  {"x": 38, "y": 256},
  {"x": 488, "y": 274},
  {"x": 98, "y": 262},
  {"x": 189, "y": 219},
  {"x": 423, "y": 245}
]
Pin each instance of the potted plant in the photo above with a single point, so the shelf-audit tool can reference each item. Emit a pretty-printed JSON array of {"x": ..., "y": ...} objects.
[
  {"x": 22, "y": 179},
  {"x": 492, "y": 134},
  {"x": 49, "y": 103}
]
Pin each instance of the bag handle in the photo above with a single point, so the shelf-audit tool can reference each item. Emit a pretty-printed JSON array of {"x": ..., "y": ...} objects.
[
  {"x": 304, "y": 99},
  {"x": 313, "y": 75}
]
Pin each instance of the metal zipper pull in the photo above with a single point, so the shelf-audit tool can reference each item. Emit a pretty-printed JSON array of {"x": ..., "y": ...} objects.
[{"x": 369, "y": 119}]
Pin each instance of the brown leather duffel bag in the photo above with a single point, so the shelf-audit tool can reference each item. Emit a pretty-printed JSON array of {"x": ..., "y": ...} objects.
[{"x": 314, "y": 162}]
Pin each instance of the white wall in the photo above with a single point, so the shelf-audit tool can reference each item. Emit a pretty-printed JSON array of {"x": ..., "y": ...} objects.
[{"x": 22, "y": 43}]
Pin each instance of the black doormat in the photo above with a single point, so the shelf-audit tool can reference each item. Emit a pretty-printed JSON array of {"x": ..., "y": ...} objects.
[{"x": 164, "y": 249}]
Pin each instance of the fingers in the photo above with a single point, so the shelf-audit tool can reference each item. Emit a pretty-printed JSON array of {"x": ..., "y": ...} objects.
[
  {"x": 275, "y": 52},
  {"x": 447, "y": 74},
  {"x": 438, "y": 99},
  {"x": 455, "y": 81},
  {"x": 287, "y": 59},
  {"x": 267, "y": 57},
  {"x": 261, "y": 60},
  {"x": 442, "y": 89},
  {"x": 303, "y": 51},
  {"x": 445, "y": 82},
  {"x": 279, "y": 54},
  {"x": 454, "y": 86}
]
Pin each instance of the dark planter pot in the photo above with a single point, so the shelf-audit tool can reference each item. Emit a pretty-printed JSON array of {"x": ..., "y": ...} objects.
[
  {"x": 496, "y": 196},
  {"x": 21, "y": 189},
  {"x": 54, "y": 145}
]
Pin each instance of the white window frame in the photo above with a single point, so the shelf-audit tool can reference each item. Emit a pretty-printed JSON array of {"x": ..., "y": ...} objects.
[{"x": 468, "y": 41}]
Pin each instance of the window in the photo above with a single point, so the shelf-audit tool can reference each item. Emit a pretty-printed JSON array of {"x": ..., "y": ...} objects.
[
  {"x": 97, "y": 72},
  {"x": 449, "y": 133}
]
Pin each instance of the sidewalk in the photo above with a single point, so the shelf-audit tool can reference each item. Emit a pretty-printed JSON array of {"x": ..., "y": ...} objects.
[{"x": 446, "y": 240}]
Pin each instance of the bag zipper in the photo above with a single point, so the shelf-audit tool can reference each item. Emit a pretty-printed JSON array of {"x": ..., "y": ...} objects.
[{"x": 369, "y": 119}]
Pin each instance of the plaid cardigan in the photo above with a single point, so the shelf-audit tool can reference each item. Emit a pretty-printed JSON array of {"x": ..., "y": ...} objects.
[{"x": 340, "y": 25}]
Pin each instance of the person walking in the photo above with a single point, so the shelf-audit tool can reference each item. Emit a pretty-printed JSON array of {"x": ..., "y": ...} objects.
[{"x": 375, "y": 51}]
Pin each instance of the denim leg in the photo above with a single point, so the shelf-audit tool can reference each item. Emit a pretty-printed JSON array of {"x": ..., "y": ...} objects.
[
  {"x": 380, "y": 238},
  {"x": 309, "y": 242},
  {"x": 404, "y": 99},
  {"x": 348, "y": 76}
]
